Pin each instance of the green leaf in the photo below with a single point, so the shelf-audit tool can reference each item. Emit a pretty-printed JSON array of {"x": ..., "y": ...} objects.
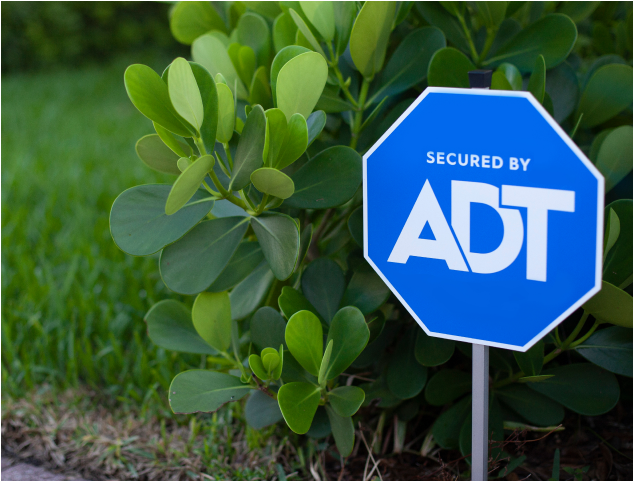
[
  {"x": 192, "y": 263},
  {"x": 539, "y": 378},
  {"x": 500, "y": 82},
  {"x": 204, "y": 391},
  {"x": 446, "y": 386},
  {"x": 612, "y": 305},
  {"x": 273, "y": 182},
  {"x": 433, "y": 351},
  {"x": 320, "y": 427},
  {"x": 562, "y": 86},
  {"x": 405, "y": 377},
  {"x": 531, "y": 361},
  {"x": 330, "y": 179},
  {"x": 346, "y": 400},
  {"x": 178, "y": 147},
  {"x": 304, "y": 245},
  {"x": 350, "y": 334},
  {"x": 321, "y": 15},
  {"x": 512, "y": 74},
  {"x": 615, "y": 157},
  {"x": 257, "y": 366},
  {"x": 282, "y": 58},
  {"x": 449, "y": 68},
  {"x": 212, "y": 54},
  {"x": 276, "y": 129},
  {"x": 209, "y": 96},
  {"x": 298, "y": 402},
  {"x": 578, "y": 11},
  {"x": 300, "y": 83},
  {"x": 169, "y": 326},
  {"x": 138, "y": 222},
  {"x": 611, "y": 232},
  {"x": 366, "y": 290},
  {"x": 376, "y": 326},
  {"x": 343, "y": 432},
  {"x": 211, "y": 314},
  {"x": 553, "y": 36},
  {"x": 536, "y": 85},
  {"x": 156, "y": 155},
  {"x": 583, "y": 388},
  {"x": 492, "y": 13},
  {"x": 244, "y": 60},
  {"x": 268, "y": 328},
  {"x": 448, "y": 425},
  {"x": 284, "y": 32},
  {"x": 188, "y": 183},
  {"x": 305, "y": 31},
  {"x": 437, "y": 16},
  {"x": 249, "y": 294},
  {"x": 184, "y": 93},
  {"x": 618, "y": 265},
  {"x": 150, "y": 96},
  {"x": 246, "y": 258},
  {"x": 189, "y": 20},
  {"x": 261, "y": 410},
  {"x": 292, "y": 301},
  {"x": 325, "y": 362},
  {"x": 304, "y": 337},
  {"x": 608, "y": 92},
  {"x": 611, "y": 349},
  {"x": 323, "y": 285},
  {"x": 226, "y": 114},
  {"x": 250, "y": 150},
  {"x": 279, "y": 237},
  {"x": 332, "y": 103},
  {"x": 315, "y": 123},
  {"x": 370, "y": 36},
  {"x": 295, "y": 142},
  {"x": 252, "y": 30},
  {"x": 344, "y": 15}
]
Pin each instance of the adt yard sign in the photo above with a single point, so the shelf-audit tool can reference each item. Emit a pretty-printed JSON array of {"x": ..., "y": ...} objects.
[{"x": 483, "y": 217}]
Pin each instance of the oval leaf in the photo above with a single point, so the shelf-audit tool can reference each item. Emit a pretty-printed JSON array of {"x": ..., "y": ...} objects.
[
  {"x": 330, "y": 179},
  {"x": 611, "y": 349},
  {"x": 553, "y": 36},
  {"x": 304, "y": 337},
  {"x": 188, "y": 183},
  {"x": 212, "y": 319},
  {"x": 433, "y": 351},
  {"x": 169, "y": 326},
  {"x": 612, "y": 305},
  {"x": 184, "y": 93},
  {"x": 204, "y": 391},
  {"x": 446, "y": 386},
  {"x": 608, "y": 92},
  {"x": 346, "y": 400},
  {"x": 250, "y": 149},
  {"x": 273, "y": 182},
  {"x": 191, "y": 264},
  {"x": 261, "y": 410},
  {"x": 150, "y": 96},
  {"x": 350, "y": 334},
  {"x": 300, "y": 83},
  {"x": 615, "y": 157},
  {"x": 138, "y": 222},
  {"x": 342, "y": 430},
  {"x": 449, "y": 68},
  {"x": 370, "y": 36},
  {"x": 583, "y": 388},
  {"x": 189, "y": 20},
  {"x": 156, "y": 155},
  {"x": 323, "y": 284},
  {"x": 298, "y": 402},
  {"x": 268, "y": 328},
  {"x": 278, "y": 236},
  {"x": 405, "y": 377}
]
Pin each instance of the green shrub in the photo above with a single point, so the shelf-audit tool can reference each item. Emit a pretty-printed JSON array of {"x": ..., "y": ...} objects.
[
  {"x": 37, "y": 35},
  {"x": 269, "y": 119}
]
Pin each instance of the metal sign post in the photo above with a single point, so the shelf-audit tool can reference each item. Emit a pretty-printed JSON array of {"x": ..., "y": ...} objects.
[{"x": 479, "y": 460}]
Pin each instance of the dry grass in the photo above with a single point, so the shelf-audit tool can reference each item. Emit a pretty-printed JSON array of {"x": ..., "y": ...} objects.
[{"x": 77, "y": 433}]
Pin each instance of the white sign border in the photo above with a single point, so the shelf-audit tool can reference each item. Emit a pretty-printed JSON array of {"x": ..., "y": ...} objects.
[{"x": 570, "y": 143}]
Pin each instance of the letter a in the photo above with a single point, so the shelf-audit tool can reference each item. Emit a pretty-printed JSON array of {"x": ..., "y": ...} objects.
[{"x": 427, "y": 209}]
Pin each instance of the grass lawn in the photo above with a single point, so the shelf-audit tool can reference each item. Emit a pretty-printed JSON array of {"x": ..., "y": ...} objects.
[{"x": 72, "y": 302}]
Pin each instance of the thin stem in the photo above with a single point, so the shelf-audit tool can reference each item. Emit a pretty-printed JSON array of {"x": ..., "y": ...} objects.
[
  {"x": 262, "y": 205},
  {"x": 471, "y": 45},
  {"x": 247, "y": 199},
  {"x": 586, "y": 336},
  {"x": 567, "y": 344},
  {"x": 209, "y": 190},
  {"x": 490, "y": 38},
  {"x": 225, "y": 193},
  {"x": 358, "y": 117},
  {"x": 339, "y": 76},
  {"x": 227, "y": 149}
]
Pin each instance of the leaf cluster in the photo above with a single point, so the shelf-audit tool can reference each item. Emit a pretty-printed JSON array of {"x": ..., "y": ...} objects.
[{"x": 264, "y": 224}]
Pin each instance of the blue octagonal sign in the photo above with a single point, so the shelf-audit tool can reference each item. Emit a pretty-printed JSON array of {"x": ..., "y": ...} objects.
[{"x": 483, "y": 217}]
